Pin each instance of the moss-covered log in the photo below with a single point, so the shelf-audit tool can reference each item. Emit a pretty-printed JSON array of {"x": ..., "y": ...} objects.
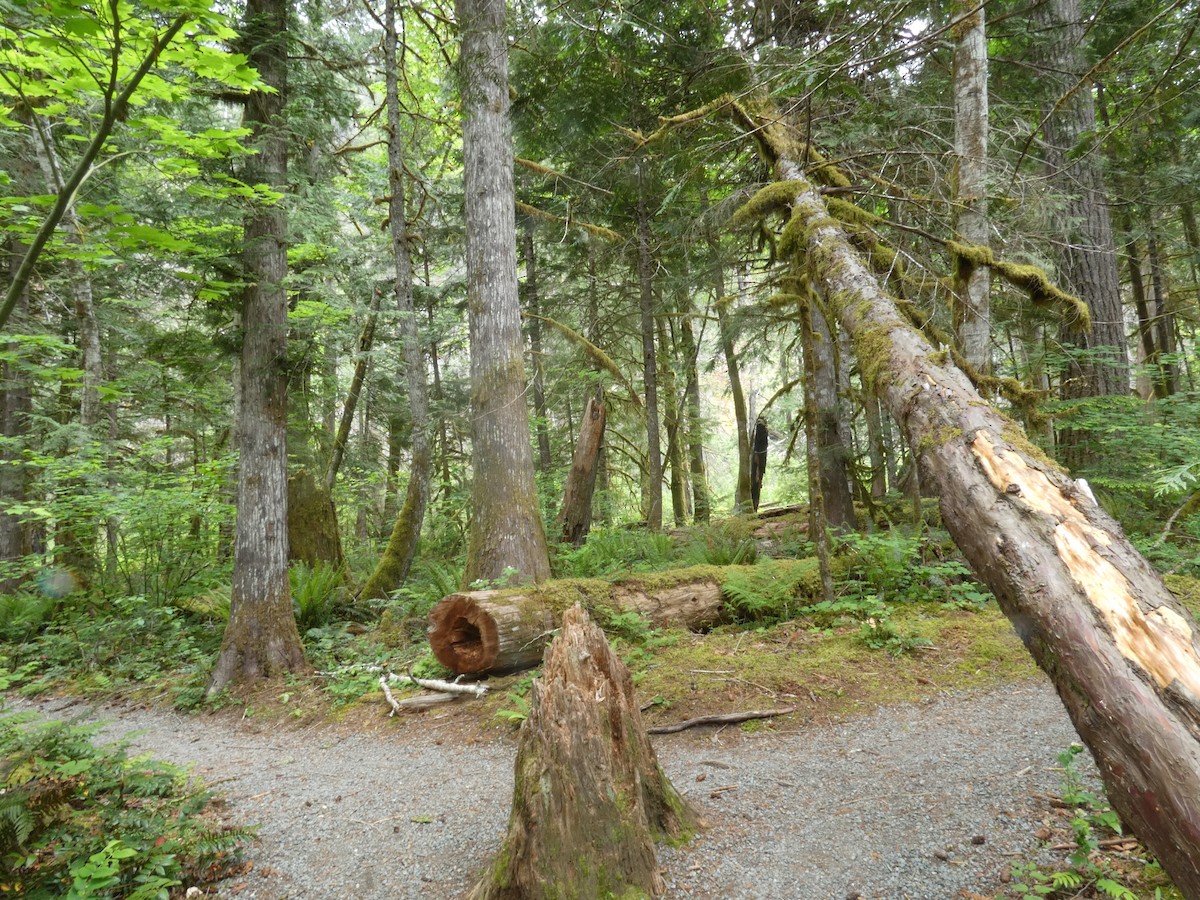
[
  {"x": 589, "y": 797},
  {"x": 506, "y": 630},
  {"x": 1121, "y": 651}
]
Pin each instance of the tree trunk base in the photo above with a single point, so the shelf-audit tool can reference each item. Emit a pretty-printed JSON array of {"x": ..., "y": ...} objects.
[{"x": 589, "y": 799}]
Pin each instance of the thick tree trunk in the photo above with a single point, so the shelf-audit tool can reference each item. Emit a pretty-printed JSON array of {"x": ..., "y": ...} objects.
[
  {"x": 16, "y": 405},
  {"x": 394, "y": 565},
  {"x": 576, "y": 514},
  {"x": 589, "y": 797},
  {"x": 506, "y": 525},
  {"x": 758, "y": 460},
  {"x": 818, "y": 521},
  {"x": 313, "y": 535},
  {"x": 1088, "y": 257},
  {"x": 501, "y": 631},
  {"x": 972, "y": 309},
  {"x": 261, "y": 640},
  {"x": 652, "y": 503},
  {"x": 1121, "y": 651}
]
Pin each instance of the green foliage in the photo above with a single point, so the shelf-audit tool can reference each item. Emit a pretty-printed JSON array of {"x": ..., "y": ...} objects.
[
  {"x": 719, "y": 546},
  {"x": 1088, "y": 872},
  {"x": 613, "y": 552},
  {"x": 769, "y": 591},
  {"x": 81, "y": 821},
  {"x": 24, "y": 614},
  {"x": 901, "y": 567},
  {"x": 316, "y": 591}
]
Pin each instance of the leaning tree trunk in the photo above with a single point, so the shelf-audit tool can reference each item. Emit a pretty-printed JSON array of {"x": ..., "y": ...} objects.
[
  {"x": 397, "y": 558},
  {"x": 1121, "y": 651},
  {"x": 261, "y": 639},
  {"x": 589, "y": 797},
  {"x": 506, "y": 524}
]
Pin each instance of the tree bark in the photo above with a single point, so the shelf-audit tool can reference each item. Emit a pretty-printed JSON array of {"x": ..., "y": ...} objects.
[
  {"x": 365, "y": 341},
  {"x": 1088, "y": 257},
  {"x": 576, "y": 514},
  {"x": 506, "y": 526},
  {"x": 261, "y": 640},
  {"x": 673, "y": 420},
  {"x": 972, "y": 309},
  {"x": 758, "y": 460},
  {"x": 313, "y": 536},
  {"x": 1121, "y": 651},
  {"x": 701, "y": 504},
  {"x": 502, "y": 631},
  {"x": 397, "y": 558},
  {"x": 589, "y": 797},
  {"x": 533, "y": 302},
  {"x": 652, "y": 505},
  {"x": 837, "y": 502},
  {"x": 818, "y": 521}
]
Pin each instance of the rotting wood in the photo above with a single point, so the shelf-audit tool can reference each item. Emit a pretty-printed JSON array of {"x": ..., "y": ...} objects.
[
  {"x": 1121, "y": 651},
  {"x": 589, "y": 797},
  {"x": 503, "y": 630},
  {"x": 721, "y": 719}
]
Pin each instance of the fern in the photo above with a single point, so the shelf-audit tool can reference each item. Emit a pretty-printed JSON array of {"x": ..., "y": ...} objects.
[
  {"x": 768, "y": 591},
  {"x": 1115, "y": 890}
]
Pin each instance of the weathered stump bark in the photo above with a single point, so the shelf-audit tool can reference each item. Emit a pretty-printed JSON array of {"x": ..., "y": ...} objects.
[
  {"x": 589, "y": 799},
  {"x": 576, "y": 515},
  {"x": 758, "y": 461},
  {"x": 505, "y": 630}
]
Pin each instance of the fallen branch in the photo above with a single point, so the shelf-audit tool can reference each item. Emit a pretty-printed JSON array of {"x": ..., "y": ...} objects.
[
  {"x": 447, "y": 691},
  {"x": 449, "y": 687},
  {"x": 726, "y": 719}
]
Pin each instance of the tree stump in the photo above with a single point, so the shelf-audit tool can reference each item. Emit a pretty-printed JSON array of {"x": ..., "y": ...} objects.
[{"x": 589, "y": 799}]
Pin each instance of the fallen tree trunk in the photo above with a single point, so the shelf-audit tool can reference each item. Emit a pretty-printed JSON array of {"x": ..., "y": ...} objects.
[
  {"x": 1122, "y": 653},
  {"x": 505, "y": 630},
  {"x": 589, "y": 797}
]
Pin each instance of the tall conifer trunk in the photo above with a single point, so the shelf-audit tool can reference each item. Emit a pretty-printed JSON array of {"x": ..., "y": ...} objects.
[
  {"x": 506, "y": 526},
  {"x": 652, "y": 504},
  {"x": 261, "y": 640}
]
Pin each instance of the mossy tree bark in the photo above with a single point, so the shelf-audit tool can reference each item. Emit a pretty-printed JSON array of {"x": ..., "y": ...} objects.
[
  {"x": 261, "y": 640},
  {"x": 533, "y": 303},
  {"x": 394, "y": 565},
  {"x": 313, "y": 535},
  {"x": 701, "y": 503},
  {"x": 652, "y": 502},
  {"x": 590, "y": 799},
  {"x": 506, "y": 524},
  {"x": 1121, "y": 651}
]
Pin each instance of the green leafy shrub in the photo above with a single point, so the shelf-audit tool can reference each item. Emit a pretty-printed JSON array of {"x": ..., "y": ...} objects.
[
  {"x": 24, "y": 614},
  {"x": 720, "y": 546},
  {"x": 83, "y": 821}
]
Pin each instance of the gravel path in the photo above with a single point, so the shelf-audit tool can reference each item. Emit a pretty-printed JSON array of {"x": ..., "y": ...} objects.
[{"x": 911, "y": 802}]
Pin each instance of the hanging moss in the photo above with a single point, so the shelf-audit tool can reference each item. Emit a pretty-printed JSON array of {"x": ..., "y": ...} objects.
[
  {"x": 1028, "y": 278},
  {"x": 773, "y": 198}
]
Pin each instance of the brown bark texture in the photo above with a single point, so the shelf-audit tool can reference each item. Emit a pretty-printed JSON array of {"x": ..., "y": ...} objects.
[
  {"x": 652, "y": 503},
  {"x": 394, "y": 565},
  {"x": 504, "y": 630},
  {"x": 1088, "y": 257},
  {"x": 1121, "y": 651},
  {"x": 576, "y": 514},
  {"x": 261, "y": 639},
  {"x": 589, "y": 797},
  {"x": 506, "y": 524}
]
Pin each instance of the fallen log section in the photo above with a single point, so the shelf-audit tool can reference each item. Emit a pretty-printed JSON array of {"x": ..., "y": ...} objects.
[
  {"x": 505, "y": 630},
  {"x": 722, "y": 719}
]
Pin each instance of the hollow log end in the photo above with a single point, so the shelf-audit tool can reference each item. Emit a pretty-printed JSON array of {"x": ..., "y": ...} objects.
[{"x": 462, "y": 635}]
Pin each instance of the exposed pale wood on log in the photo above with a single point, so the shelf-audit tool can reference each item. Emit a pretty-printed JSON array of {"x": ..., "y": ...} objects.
[{"x": 721, "y": 719}]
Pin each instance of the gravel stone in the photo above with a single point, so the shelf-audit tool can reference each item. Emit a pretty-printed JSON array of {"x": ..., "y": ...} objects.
[{"x": 894, "y": 805}]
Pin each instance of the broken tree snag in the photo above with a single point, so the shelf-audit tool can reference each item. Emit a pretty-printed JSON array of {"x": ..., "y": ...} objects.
[
  {"x": 1122, "y": 653},
  {"x": 576, "y": 514},
  {"x": 589, "y": 797},
  {"x": 506, "y": 630},
  {"x": 758, "y": 460}
]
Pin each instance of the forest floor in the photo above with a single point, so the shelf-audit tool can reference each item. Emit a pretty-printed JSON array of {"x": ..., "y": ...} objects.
[{"x": 935, "y": 797}]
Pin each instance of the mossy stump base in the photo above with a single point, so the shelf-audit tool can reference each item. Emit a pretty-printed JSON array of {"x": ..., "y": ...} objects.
[{"x": 589, "y": 798}]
